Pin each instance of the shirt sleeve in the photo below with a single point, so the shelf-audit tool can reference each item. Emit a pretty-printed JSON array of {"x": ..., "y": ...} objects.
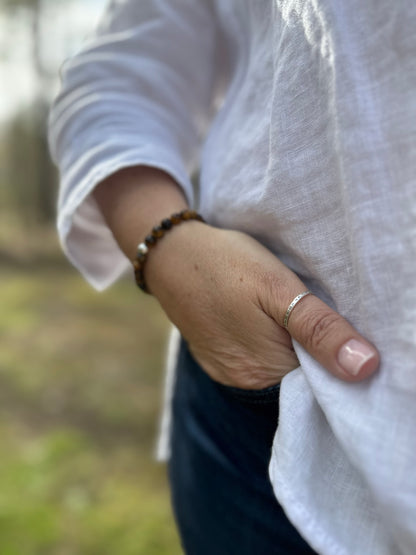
[{"x": 140, "y": 92}]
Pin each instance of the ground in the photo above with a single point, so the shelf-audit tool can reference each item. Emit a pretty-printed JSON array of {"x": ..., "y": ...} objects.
[{"x": 80, "y": 376}]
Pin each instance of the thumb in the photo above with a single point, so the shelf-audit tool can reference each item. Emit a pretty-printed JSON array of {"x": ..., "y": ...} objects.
[{"x": 330, "y": 339}]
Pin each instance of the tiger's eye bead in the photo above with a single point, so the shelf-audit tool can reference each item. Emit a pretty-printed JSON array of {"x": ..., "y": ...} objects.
[
  {"x": 158, "y": 231},
  {"x": 188, "y": 214},
  {"x": 175, "y": 218},
  {"x": 150, "y": 240},
  {"x": 166, "y": 224}
]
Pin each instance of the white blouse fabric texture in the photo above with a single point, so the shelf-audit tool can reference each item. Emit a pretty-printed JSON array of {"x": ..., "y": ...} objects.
[{"x": 301, "y": 115}]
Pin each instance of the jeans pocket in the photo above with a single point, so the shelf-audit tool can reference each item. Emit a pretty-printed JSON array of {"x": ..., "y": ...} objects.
[
  {"x": 268, "y": 395},
  {"x": 251, "y": 396}
]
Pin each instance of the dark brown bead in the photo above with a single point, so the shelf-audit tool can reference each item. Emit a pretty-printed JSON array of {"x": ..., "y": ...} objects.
[
  {"x": 158, "y": 231},
  {"x": 150, "y": 241},
  {"x": 166, "y": 224}
]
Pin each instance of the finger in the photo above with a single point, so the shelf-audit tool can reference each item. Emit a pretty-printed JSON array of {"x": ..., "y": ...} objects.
[{"x": 331, "y": 340}]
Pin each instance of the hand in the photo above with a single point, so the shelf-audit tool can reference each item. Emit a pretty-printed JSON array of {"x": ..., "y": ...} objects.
[
  {"x": 228, "y": 295},
  {"x": 225, "y": 292}
]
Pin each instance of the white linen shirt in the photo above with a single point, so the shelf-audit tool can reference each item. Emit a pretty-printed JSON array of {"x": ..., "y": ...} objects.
[{"x": 301, "y": 115}]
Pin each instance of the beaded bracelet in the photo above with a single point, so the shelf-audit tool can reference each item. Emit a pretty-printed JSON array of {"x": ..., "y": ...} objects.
[{"x": 151, "y": 240}]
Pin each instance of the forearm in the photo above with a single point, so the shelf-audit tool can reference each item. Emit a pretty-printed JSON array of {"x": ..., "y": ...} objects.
[{"x": 133, "y": 200}]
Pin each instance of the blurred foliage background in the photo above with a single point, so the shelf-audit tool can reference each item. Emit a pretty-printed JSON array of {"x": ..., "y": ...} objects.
[{"x": 80, "y": 372}]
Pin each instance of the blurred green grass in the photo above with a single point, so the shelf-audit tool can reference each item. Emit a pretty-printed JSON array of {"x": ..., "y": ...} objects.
[{"x": 80, "y": 395}]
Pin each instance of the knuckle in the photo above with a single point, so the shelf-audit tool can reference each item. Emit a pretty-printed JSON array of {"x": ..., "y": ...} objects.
[
  {"x": 272, "y": 292},
  {"x": 318, "y": 327}
]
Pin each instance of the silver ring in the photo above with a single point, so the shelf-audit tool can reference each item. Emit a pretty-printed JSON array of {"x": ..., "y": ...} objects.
[{"x": 292, "y": 306}]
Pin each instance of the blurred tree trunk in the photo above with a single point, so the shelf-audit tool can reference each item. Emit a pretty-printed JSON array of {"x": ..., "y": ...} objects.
[
  {"x": 29, "y": 171},
  {"x": 36, "y": 7},
  {"x": 30, "y": 176}
]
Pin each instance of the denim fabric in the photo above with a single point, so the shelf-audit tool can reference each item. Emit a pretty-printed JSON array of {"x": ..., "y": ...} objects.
[{"x": 221, "y": 445}]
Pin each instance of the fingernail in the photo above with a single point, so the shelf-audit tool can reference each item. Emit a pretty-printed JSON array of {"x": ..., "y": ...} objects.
[{"x": 353, "y": 355}]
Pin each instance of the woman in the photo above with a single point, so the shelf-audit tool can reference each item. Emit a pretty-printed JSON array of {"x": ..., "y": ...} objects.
[{"x": 299, "y": 116}]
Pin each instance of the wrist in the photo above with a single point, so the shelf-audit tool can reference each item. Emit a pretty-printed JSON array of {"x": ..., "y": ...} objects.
[
  {"x": 150, "y": 242},
  {"x": 171, "y": 263}
]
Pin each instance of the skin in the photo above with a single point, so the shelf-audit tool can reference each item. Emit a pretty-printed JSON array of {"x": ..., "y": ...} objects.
[{"x": 225, "y": 292}]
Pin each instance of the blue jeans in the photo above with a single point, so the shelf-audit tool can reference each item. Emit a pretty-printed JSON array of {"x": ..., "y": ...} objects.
[{"x": 221, "y": 446}]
